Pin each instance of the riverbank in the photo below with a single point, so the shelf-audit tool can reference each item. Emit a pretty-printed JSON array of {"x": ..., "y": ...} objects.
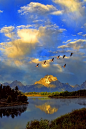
[
  {"x": 3, "y": 103},
  {"x": 64, "y": 97},
  {"x": 74, "y": 120},
  {"x": 50, "y": 96},
  {"x": 63, "y": 94},
  {"x": 36, "y": 95}
]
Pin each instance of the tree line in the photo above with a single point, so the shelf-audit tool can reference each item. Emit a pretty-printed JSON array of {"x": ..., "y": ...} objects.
[
  {"x": 73, "y": 93},
  {"x": 62, "y": 93},
  {"x": 11, "y": 95}
]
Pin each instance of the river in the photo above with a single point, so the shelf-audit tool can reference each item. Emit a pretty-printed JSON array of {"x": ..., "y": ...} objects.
[{"x": 38, "y": 107}]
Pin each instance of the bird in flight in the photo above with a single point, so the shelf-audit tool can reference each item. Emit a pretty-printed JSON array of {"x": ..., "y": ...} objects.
[
  {"x": 71, "y": 54},
  {"x": 37, "y": 65},
  {"x": 45, "y": 62},
  {"x": 64, "y": 66},
  {"x": 58, "y": 57},
  {"x": 52, "y": 59},
  {"x": 64, "y": 56}
]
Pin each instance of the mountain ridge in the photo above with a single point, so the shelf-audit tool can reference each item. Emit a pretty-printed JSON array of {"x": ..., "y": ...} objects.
[{"x": 49, "y": 83}]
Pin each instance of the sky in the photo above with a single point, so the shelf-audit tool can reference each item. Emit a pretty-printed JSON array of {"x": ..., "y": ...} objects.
[{"x": 32, "y": 31}]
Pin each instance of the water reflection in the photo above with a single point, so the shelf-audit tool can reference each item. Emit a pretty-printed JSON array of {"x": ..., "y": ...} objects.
[
  {"x": 45, "y": 98},
  {"x": 47, "y": 108},
  {"x": 38, "y": 107},
  {"x": 82, "y": 102},
  {"x": 12, "y": 111}
]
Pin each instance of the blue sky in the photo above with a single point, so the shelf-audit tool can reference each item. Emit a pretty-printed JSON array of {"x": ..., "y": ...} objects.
[{"x": 32, "y": 31}]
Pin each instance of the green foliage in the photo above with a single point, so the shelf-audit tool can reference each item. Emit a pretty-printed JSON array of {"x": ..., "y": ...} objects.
[
  {"x": 66, "y": 93},
  {"x": 12, "y": 95},
  {"x": 73, "y": 120}
]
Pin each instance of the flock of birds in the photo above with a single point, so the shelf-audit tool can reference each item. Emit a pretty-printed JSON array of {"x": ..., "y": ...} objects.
[{"x": 53, "y": 60}]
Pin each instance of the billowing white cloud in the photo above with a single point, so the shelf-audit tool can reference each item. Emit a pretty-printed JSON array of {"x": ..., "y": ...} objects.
[
  {"x": 36, "y": 61},
  {"x": 29, "y": 35},
  {"x": 75, "y": 44},
  {"x": 72, "y": 5},
  {"x": 23, "y": 26},
  {"x": 38, "y": 8},
  {"x": 7, "y": 29},
  {"x": 20, "y": 47}
]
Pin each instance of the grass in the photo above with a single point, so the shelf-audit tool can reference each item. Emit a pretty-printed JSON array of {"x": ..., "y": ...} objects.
[{"x": 74, "y": 120}]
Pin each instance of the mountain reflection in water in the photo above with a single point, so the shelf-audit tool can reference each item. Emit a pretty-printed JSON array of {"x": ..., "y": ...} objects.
[
  {"x": 47, "y": 108},
  {"x": 12, "y": 111}
]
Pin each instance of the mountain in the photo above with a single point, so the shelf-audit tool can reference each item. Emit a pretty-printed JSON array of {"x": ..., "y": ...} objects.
[
  {"x": 5, "y": 84},
  {"x": 83, "y": 86},
  {"x": 16, "y": 83},
  {"x": 48, "y": 83}
]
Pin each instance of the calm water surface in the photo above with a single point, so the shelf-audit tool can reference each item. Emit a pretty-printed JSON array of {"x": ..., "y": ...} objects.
[{"x": 38, "y": 107}]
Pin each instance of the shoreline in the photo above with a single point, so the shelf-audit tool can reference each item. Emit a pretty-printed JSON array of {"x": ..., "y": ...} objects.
[
  {"x": 12, "y": 104},
  {"x": 37, "y": 95},
  {"x": 57, "y": 97}
]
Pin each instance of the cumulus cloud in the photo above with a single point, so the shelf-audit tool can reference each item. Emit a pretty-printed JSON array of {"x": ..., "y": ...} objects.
[
  {"x": 38, "y": 8},
  {"x": 7, "y": 29},
  {"x": 36, "y": 61},
  {"x": 28, "y": 40},
  {"x": 28, "y": 35},
  {"x": 24, "y": 26},
  {"x": 72, "y": 5},
  {"x": 75, "y": 44}
]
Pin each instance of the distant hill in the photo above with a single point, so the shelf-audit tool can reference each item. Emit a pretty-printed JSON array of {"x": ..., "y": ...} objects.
[
  {"x": 48, "y": 83},
  {"x": 83, "y": 86},
  {"x": 16, "y": 83}
]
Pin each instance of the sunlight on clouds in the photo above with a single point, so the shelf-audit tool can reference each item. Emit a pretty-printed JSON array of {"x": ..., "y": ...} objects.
[
  {"x": 7, "y": 29},
  {"x": 35, "y": 7},
  {"x": 34, "y": 61},
  {"x": 63, "y": 46},
  {"x": 28, "y": 35},
  {"x": 22, "y": 46},
  {"x": 41, "y": 62},
  {"x": 23, "y": 26},
  {"x": 45, "y": 65},
  {"x": 18, "y": 63},
  {"x": 10, "y": 35},
  {"x": 12, "y": 51},
  {"x": 75, "y": 44},
  {"x": 57, "y": 12},
  {"x": 72, "y": 5}
]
